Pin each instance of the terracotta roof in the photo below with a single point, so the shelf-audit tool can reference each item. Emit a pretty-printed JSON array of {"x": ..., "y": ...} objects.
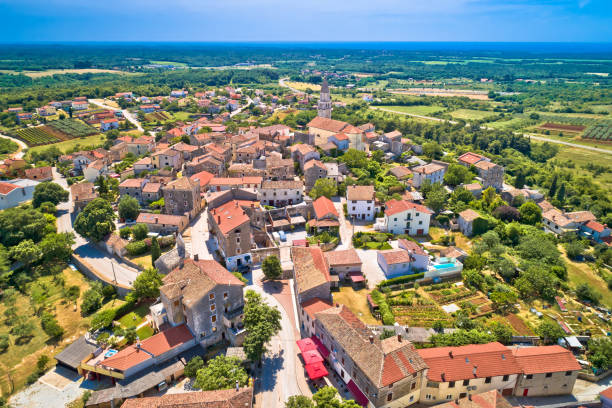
[
  {"x": 411, "y": 246},
  {"x": 194, "y": 279},
  {"x": 183, "y": 183},
  {"x": 428, "y": 168},
  {"x": 324, "y": 206},
  {"x": 340, "y": 136},
  {"x": 472, "y": 187},
  {"x": 166, "y": 219},
  {"x": 342, "y": 257},
  {"x": 489, "y": 399},
  {"x": 184, "y": 147},
  {"x": 607, "y": 393},
  {"x": 400, "y": 172},
  {"x": 545, "y": 359},
  {"x": 393, "y": 134},
  {"x": 466, "y": 362},
  {"x": 6, "y": 188},
  {"x": 395, "y": 256},
  {"x": 469, "y": 215},
  {"x": 132, "y": 183},
  {"x": 204, "y": 177},
  {"x": 229, "y": 398},
  {"x": 556, "y": 217},
  {"x": 470, "y": 158},
  {"x": 315, "y": 305},
  {"x": 229, "y": 216},
  {"x": 382, "y": 361},
  {"x": 286, "y": 184},
  {"x": 393, "y": 207},
  {"x": 312, "y": 163},
  {"x": 152, "y": 347},
  {"x": 310, "y": 267},
  {"x": 136, "y": 140},
  {"x": 166, "y": 152},
  {"x": 303, "y": 148},
  {"x": 83, "y": 191},
  {"x": 225, "y": 181},
  {"x": 486, "y": 165},
  {"x": 152, "y": 188},
  {"x": 581, "y": 216},
  {"x": 595, "y": 226},
  {"x": 360, "y": 193},
  {"x": 330, "y": 125}
]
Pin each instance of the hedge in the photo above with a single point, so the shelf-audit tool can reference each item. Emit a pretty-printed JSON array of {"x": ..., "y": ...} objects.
[
  {"x": 383, "y": 307},
  {"x": 401, "y": 279},
  {"x": 136, "y": 248}
]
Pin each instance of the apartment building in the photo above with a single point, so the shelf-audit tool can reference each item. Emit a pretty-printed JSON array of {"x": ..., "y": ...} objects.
[{"x": 406, "y": 217}]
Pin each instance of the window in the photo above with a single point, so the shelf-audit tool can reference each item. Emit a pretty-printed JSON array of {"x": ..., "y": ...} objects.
[
  {"x": 529, "y": 376},
  {"x": 225, "y": 295},
  {"x": 488, "y": 380},
  {"x": 449, "y": 396},
  {"x": 211, "y": 296},
  {"x": 506, "y": 378},
  {"x": 212, "y": 307},
  {"x": 391, "y": 385},
  {"x": 428, "y": 396},
  {"x": 466, "y": 383},
  {"x": 176, "y": 303},
  {"x": 420, "y": 222},
  {"x": 390, "y": 396},
  {"x": 342, "y": 360},
  {"x": 411, "y": 398},
  {"x": 451, "y": 384},
  {"x": 413, "y": 386},
  {"x": 202, "y": 335},
  {"x": 568, "y": 373},
  {"x": 548, "y": 375}
]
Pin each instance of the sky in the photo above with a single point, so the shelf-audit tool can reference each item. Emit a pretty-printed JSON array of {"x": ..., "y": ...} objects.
[{"x": 306, "y": 20}]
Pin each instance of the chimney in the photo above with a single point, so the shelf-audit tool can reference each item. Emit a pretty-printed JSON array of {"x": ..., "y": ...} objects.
[
  {"x": 443, "y": 376},
  {"x": 450, "y": 353},
  {"x": 474, "y": 370},
  {"x": 371, "y": 339},
  {"x": 237, "y": 386},
  {"x": 337, "y": 304},
  {"x": 196, "y": 257},
  {"x": 399, "y": 338},
  {"x": 218, "y": 219},
  {"x": 156, "y": 220}
]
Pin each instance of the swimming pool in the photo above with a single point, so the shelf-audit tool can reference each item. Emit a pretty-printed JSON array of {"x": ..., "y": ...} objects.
[
  {"x": 445, "y": 266},
  {"x": 110, "y": 353}
]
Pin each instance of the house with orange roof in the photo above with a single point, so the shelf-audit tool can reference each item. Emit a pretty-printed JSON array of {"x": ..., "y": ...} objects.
[
  {"x": 311, "y": 274},
  {"x": 595, "y": 231},
  {"x": 341, "y": 140},
  {"x": 405, "y": 217},
  {"x": 39, "y": 173},
  {"x": 325, "y": 215},
  {"x": 361, "y": 202},
  {"x": 322, "y": 128},
  {"x": 203, "y": 177}
]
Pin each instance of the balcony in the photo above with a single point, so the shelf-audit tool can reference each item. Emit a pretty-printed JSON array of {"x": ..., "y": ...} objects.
[{"x": 230, "y": 314}]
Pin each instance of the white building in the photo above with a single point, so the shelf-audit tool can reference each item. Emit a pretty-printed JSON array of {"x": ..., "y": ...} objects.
[
  {"x": 15, "y": 192},
  {"x": 361, "y": 202},
  {"x": 432, "y": 172},
  {"x": 405, "y": 217},
  {"x": 281, "y": 193}
]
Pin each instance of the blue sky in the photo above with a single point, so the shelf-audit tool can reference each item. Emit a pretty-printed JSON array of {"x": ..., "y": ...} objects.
[{"x": 306, "y": 20}]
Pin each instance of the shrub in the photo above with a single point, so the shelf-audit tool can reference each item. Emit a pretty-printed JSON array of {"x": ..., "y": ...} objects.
[
  {"x": 140, "y": 231},
  {"x": 125, "y": 232},
  {"x": 103, "y": 319},
  {"x": 136, "y": 248},
  {"x": 192, "y": 367},
  {"x": 401, "y": 279},
  {"x": 4, "y": 342},
  {"x": 51, "y": 326},
  {"x": 383, "y": 307},
  {"x": 92, "y": 301}
]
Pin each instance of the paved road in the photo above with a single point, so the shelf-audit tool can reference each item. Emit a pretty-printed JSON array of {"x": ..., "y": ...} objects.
[
  {"x": 346, "y": 229},
  {"x": 281, "y": 82},
  {"x": 278, "y": 380},
  {"x": 22, "y": 147},
  {"x": 111, "y": 268},
  {"x": 237, "y": 111},
  {"x": 126, "y": 114},
  {"x": 540, "y": 138},
  {"x": 200, "y": 242}
]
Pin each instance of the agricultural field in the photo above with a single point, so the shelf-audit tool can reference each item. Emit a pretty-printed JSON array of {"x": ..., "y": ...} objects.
[
  {"x": 560, "y": 127},
  {"x": 471, "y": 114},
  {"x": 82, "y": 143},
  {"x": 579, "y": 158},
  {"x": 422, "y": 110},
  {"x": 424, "y": 315},
  {"x": 599, "y": 132},
  {"x": 303, "y": 86},
  {"x": 157, "y": 116},
  {"x": 72, "y": 128},
  {"x": 37, "y": 136},
  {"x": 51, "y": 72}
]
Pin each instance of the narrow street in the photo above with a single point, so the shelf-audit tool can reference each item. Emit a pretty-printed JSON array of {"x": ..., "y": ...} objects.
[
  {"x": 126, "y": 114},
  {"x": 109, "y": 267}
]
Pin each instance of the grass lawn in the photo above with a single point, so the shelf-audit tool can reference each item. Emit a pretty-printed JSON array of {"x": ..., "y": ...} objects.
[
  {"x": 18, "y": 362},
  {"x": 580, "y": 272},
  {"x": 470, "y": 114},
  {"x": 303, "y": 86},
  {"x": 381, "y": 246},
  {"x": 181, "y": 115},
  {"x": 512, "y": 123},
  {"x": 423, "y": 110},
  {"x": 461, "y": 241},
  {"x": 176, "y": 64},
  {"x": 574, "y": 138},
  {"x": 135, "y": 317},
  {"x": 356, "y": 301},
  {"x": 581, "y": 157},
  {"x": 144, "y": 332},
  {"x": 89, "y": 141}
]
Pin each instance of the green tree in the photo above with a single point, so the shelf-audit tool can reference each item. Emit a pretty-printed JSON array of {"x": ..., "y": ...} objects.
[
  {"x": 41, "y": 363},
  {"x": 324, "y": 187},
  {"x": 271, "y": 267},
  {"x": 92, "y": 301},
  {"x": 130, "y": 335},
  {"x": 49, "y": 192},
  {"x": 193, "y": 366},
  {"x": 530, "y": 213},
  {"x": 457, "y": 174},
  {"x": 502, "y": 332},
  {"x": 20, "y": 223},
  {"x": 432, "y": 150},
  {"x": 96, "y": 220},
  {"x": 23, "y": 329},
  {"x": 26, "y": 252},
  {"x": 220, "y": 373},
  {"x": 261, "y": 322},
  {"x": 48, "y": 208},
  {"x": 536, "y": 282},
  {"x": 549, "y": 331},
  {"x": 586, "y": 293},
  {"x": 140, "y": 231},
  {"x": 553, "y": 186},
  {"x": 57, "y": 247},
  {"x": 155, "y": 250},
  {"x": 299, "y": 401},
  {"x": 129, "y": 208},
  {"x": 436, "y": 198},
  {"x": 503, "y": 301},
  {"x": 4, "y": 343},
  {"x": 600, "y": 352},
  {"x": 355, "y": 158},
  {"x": 102, "y": 319},
  {"x": 561, "y": 193},
  {"x": 147, "y": 284}
]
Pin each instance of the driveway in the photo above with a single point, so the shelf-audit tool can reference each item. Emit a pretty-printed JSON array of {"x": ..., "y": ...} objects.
[
  {"x": 55, "y": 389},
  {"x": 346, "y": 229},
  {"x": 198, "y": 240},
  {"x": 370, "y": 267}
]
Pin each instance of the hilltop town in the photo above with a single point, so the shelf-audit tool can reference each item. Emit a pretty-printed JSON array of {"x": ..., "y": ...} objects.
[{"x": 236, "y": 246}]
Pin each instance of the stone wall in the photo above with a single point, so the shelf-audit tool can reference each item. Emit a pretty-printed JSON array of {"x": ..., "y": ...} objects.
[{"x": 260, "y": 254}]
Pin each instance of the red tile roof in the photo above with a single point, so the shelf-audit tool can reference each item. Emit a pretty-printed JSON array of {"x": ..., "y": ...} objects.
[
  {"x": 152, "y": 347},
  {"x": 394, "y": 207},
  {"x": 545, "y": 359},
  {"x": 230, "y": 215},
  {"x": 470, "y": 158},
  {"x": 594, "y": 225},
  {"x": 204, "y": 177},
  {"x": 411, "y": 246},
  {"x": 229, "y": 398},
  {"x": 465, "y": 362},
  {"x": 328, "y": 124},
  {"x": 395, "y": 256},
  {"x": 323, "y": 206},
  {"x": 341, "y": 136},
  {"x": 315, "y": 305},
  {"x": 607, "y": 393},
  {"x": 6, "y": 188}
]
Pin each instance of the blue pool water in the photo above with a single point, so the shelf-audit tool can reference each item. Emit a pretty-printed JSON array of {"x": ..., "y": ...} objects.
[
  {"x": 444, "y": 266},
  {"x": 110, "y": 353}
]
